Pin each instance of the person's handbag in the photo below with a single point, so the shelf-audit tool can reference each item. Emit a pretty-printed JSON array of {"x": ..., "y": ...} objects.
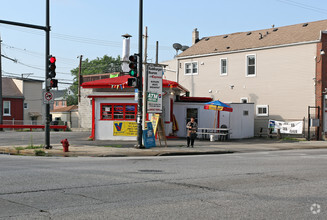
[{"x": 193, "y": 135}]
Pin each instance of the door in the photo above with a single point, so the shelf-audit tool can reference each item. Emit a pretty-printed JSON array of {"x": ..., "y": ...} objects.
[{"x": 191, "y": 112}]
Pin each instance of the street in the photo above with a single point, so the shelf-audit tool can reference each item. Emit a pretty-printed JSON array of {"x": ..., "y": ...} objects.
[{"x": 260, "y": 185}]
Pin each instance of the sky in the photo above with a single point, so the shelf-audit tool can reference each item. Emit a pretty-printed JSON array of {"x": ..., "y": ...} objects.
[{"x": 93, "y": 28}]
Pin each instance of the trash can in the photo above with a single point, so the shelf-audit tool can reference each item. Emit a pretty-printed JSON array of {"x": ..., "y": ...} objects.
[{"x": 212, "y": 137}]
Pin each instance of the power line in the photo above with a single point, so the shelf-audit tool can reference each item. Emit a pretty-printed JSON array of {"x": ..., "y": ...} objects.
[
  {"x": 38, "y": 54},
  {"x": 304, "y": 6},
  {"x": 62, "y": 81},
  {"x": 84, "y": 40}
]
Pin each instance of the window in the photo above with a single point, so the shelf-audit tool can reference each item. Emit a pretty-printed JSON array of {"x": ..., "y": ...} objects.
[
  {"x": 57, "y": 103},
  {"x": 25, "y": 105},
  {"x": 191, "y": 68},
  {"x": 223, "y": 66},
  {"x": 262, "y": 110},
  {"x": 244, "y": 100},
  {"x": 250, "y": 65},
  {"x": 118, "y": 111},
  {"x": 6, "y": 108},
  {"x": 63, "y": 103}
]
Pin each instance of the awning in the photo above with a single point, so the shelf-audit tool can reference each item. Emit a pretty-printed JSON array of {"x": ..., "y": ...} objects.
[
  {"x": 34, "y": 114},
  {"x": 121, "y": 83}
]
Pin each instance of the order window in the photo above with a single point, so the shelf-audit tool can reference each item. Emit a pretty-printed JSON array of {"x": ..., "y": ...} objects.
[{"x": 118, "y": 111}]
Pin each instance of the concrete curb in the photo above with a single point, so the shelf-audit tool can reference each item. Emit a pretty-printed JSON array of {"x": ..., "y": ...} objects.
[{"x": 174, "y": 149}]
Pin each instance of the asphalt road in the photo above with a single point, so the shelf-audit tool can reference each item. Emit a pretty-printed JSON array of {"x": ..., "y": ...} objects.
[
  {"x": 16, "y": 138},
  {"x": 260, "y": 185}
]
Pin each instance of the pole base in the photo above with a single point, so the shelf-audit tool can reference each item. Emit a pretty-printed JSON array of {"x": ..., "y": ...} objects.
[
  {"x": 137, "y": 146},
  {"x": 48, "y": 147}
]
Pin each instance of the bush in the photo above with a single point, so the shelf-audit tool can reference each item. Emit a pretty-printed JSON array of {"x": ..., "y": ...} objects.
[{"x": 39, "y": 153}]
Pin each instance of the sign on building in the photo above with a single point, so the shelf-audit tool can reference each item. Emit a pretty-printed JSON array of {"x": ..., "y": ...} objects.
[
  {"x": 291, "y": 127},
  {"x": 125, "y": 128},
  {"x": 154, "y": 90}
]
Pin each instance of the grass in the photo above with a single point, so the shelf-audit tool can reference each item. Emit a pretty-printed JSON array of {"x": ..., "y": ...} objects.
[
  {"x": 39, "y": 153},
  {"x": 34, "y": 147},
  {"x": 293, "y": 139},
  {"x": 117, "y": 145},
  {"x": 18, "y": 149}
]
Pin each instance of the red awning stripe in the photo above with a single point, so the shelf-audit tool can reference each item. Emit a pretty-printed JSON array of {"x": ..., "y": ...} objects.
[{"x": 121, "y": 83}]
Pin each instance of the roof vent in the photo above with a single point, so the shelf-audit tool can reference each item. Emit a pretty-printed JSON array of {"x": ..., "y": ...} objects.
[
  {"x": 225, "y": 36},
  {"x": 216, "y": 49},
  {"x": 249, "y": 33},
  {"x": 207, "y": 39},
  {"x": 276, "y": 29},
  {"x": 304, "y": 25},
  {"x": 227, "y": 47}
]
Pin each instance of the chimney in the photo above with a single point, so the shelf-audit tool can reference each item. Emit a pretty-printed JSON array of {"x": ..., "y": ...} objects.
[
  {"x": 126, "y": 52},
  {"x": 195, "y": 36}
]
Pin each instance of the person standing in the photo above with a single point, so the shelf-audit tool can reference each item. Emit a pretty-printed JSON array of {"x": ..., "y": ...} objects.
[{"x": 192, "y": 127}]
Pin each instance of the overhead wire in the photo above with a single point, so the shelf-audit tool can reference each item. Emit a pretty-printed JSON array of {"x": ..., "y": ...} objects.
[
  {"x": 70, "y": 61},
  {"x": 84, "y": 40},
  {"x": 304, "y": 6}
]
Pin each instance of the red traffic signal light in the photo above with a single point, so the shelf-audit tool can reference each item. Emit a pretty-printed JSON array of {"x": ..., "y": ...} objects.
[
  {"x": 52, "y": 59},
  {"x": 52, "y": 67}
]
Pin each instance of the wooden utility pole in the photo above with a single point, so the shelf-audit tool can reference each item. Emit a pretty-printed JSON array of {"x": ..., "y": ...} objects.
[
  {"x": 79, "y": 78},
  {"x": 145, "y": 78},
  {"x": 157, "y": 53}
]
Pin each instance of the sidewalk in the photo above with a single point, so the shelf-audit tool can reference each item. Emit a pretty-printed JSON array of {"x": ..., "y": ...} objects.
[{"x": 175, "y": 147}]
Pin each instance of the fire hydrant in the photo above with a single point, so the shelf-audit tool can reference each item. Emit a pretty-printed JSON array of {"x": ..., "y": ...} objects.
[{"x": 65, "y": 145}]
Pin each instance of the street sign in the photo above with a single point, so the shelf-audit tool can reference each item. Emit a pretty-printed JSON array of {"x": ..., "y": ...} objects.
[
  {"x": 154, "y": 90},
  {"x": 48, "y": 97}
]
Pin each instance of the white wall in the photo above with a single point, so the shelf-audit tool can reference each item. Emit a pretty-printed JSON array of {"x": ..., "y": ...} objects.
[
  {"x": 205, "y": 117},
  {"x": 241, "y": 126},
  {"x": 283, "y": 80},
  {"x": 85, "y": 109},
  {"x": 104, "y": 128}
]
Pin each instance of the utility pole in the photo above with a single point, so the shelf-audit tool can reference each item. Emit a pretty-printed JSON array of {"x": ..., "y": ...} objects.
[
  {"x": 79, "y": 77},
  {"x": 145, "y": 84},
  {"x": 1, "y": 105},
  {"x": 140, "y": 76},
  {"x": 157, "y": 51},
  {"x": 47, "y": 86}
]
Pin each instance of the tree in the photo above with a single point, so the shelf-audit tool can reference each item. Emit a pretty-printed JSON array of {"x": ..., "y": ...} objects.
[{"x": 105, "y": 64}]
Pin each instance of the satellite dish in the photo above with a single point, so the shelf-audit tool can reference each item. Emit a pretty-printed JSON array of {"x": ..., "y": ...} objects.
[
  {"x": 177, "y": 46},
  {"x": 184, "y": 47}
]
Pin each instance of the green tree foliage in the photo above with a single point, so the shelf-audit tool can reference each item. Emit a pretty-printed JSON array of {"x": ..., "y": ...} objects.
[{"x": 99, "y": 65}]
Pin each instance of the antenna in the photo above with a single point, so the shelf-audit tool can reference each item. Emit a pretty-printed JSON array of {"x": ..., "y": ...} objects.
[
  {"x": 177, "y": 47},
  {"x": 184, "y": 47}
]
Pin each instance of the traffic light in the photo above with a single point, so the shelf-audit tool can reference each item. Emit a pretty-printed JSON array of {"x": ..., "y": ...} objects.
[
  {"x": 53, "y": 83},
  {"x": 133, "y": 82},
  {"x": 52, "y": 67},
  {"x": 133, "y": 65}
]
